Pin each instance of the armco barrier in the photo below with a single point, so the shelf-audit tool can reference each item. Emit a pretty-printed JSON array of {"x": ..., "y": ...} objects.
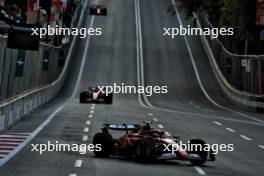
[
  {"x": 14, "y": 108},
  {"x": 217, "y": 54}
]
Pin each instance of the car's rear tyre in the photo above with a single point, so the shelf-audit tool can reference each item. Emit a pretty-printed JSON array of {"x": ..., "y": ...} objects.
[
  {"x": 85, "y": 98},
  {"x": 106, "y": 142},
  {"x": 104, "y": 11},
  {"x": 92, "y": 11},
  {"x": 145, "y": 149},
  {"x": 109, "y": 99},
  {"x": 82, "y": 98},
  {"x": 202, "y": 153}
]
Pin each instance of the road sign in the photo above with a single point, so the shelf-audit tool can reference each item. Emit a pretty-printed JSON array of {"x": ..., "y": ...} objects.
[
  {"x": 20, "y": 62},
  {"x": 246, "y": 63}
]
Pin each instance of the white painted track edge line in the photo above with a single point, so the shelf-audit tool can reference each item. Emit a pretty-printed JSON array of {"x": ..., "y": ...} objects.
[
  {"x": 261, "y": 146},
  {"x": 83, "y": 61},
  {"x": 230, "y": 129},
  {"x": 72, "y": 174},
  {"x": 199, "y": 170},
  {"x": 78, "y": 163},
  {"x": 138, "y": 53},
  {"x": 245, "y": 137}
]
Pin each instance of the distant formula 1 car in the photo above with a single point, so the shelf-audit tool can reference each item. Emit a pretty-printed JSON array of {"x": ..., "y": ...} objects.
[
  {"x": 143, "y": 143},
  {"x": 98, "y": 10},
  {"x": 94, "y": 95}
]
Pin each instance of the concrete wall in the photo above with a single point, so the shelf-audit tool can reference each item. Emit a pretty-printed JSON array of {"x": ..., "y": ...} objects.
[{"x": 40, "y": 87}]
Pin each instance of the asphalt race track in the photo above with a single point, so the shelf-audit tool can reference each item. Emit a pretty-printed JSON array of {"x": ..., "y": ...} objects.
[{"x": 191, "y": 109}]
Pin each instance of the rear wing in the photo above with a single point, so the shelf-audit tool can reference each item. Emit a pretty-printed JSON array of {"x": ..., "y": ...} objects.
[{"x": 122, "y": 127}]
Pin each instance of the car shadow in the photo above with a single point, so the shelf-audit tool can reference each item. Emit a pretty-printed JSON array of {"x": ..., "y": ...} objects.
[{"x": 153, "y": 162}]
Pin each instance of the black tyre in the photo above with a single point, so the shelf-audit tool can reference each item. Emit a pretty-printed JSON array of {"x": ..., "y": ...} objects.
[
  {"x": 104, "y": 11},
  {"x": 92, "y": 11},
  {"x": 82, "y": 98},
  {"x": 109, "y": 99},
  {"x": 202, "y": 153},
  {"x": 145, "y": 149},
  {"x": 107, "y": 144}
]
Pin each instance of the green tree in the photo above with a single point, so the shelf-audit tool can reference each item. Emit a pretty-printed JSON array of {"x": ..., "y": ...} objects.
[
  {"x": 190, "y": 6},
  {"x": 240, "y": 14}
]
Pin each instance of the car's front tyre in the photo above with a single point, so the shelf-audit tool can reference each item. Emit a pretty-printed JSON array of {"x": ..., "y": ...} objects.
[
  {"x": 107, "y": 145},
  {"x": 202, "y": 153},
  {"x": 145, "y": 149}
]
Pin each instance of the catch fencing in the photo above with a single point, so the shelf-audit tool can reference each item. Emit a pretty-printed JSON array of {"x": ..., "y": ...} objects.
[
  {"x": 243, "y": 72},
  {"x": 240, "y": 76}
]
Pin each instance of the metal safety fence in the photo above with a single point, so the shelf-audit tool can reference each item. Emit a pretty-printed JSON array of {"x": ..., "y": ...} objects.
[
  {"x": 240, "y": 76},
  {"x": 243, "y": 72}
]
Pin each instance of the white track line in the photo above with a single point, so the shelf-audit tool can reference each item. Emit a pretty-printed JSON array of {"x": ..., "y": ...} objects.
[
  {"x": 199, "y": 170},
  {"x": 88, "y": 122},
  {"x": 217, "y": 123},
  {"x": 72, "y": 174},
  {"x": 139, "y": 54},
  {"x": 261, "y": 146},
  {"x": 231, "y": 130},
  {"x": 86, "y": 130},
  {"x": 92, "y": 107},
  {"x": 245, "y": 137},
  {"x": 90, "y": 116},
  {"x": 83, "y": 59},
  {"x": 78, "y": 163},
  {"x": 85, "y": 138},
  {"x": 160, "y": 126},
  {"x": 92, "y": 111},
  {"x": 167, "y": 134},
  {"x": 155, "y": 119},
  {"x": 150, "y": 115},
  {"x": 13, "y": 135}
]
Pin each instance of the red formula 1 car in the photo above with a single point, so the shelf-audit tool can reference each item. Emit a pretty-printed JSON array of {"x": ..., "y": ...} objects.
[
  {"x": 144, "y": 143},
  {"x": 95, "y": 95}
]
